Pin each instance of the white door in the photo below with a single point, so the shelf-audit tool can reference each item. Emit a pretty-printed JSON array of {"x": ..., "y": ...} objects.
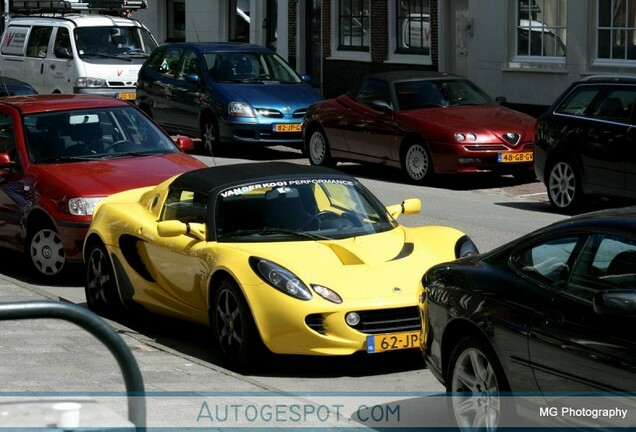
[{"x": 460, "y": 28}]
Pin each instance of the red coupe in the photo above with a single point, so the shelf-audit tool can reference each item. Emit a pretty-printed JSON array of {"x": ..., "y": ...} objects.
[
  {"x": 60, "y": 155},
  {"x": 425, "y": 123}
]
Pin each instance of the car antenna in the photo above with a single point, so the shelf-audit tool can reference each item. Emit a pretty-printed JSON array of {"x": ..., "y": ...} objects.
[{"x": 196, "y": 32}]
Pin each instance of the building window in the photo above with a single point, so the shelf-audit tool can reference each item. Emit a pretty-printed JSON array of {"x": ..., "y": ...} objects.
[
  {"x": 413, "y": 27},
  {"x": 354, "y": 25},
  {"x": 617, "y": 29},
  {"x": 541, "y": 29},
  {"x": 240, "y": 20}
]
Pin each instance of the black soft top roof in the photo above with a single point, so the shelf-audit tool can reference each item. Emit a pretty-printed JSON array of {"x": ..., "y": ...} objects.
[{"x": 207, "y": 179}]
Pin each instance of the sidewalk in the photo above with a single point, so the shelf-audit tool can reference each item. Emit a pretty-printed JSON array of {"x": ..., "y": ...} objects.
[{"x": 50, "y": 359}]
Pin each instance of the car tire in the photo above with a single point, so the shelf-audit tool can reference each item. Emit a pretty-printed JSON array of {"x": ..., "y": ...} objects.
[
  {"x": 100, "y": 285},
  {"x": 565, "y": 190},
  {"x": 417, "y": 163},
  {"x": 318, "y": 150},
  {"x": 233, "y": 329},
  {"x": 475, "y": 384},
  {"x": 210, "y": 136},
  {"x": 45, "y": 252}
]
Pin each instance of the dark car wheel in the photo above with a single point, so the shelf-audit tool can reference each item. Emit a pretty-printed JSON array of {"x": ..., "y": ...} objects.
[
  {"x": 102, "y": 295},
  {"x": 564, "y": 186},
  {"x": 210, "y": 135},
  {"x": 475, "y": 381},
  {"x": 45, "y": 251},
  {"x": 417, "y": 163},
  {"x": 318, "y": 149},
  {"x": 233, "y": 327}
]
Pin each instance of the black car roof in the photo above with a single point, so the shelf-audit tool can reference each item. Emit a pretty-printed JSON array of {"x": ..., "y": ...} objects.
[
  {"x": 207, "y": 179},
  {"x": 403, "y": 75}
]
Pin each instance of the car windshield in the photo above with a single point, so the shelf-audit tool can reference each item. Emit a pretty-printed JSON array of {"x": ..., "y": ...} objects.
[
  {"x": 97, "y": 133},
  {"x": 439, "y": 93},
  {"x": 256, "y": 67},
  {"x": 114, "y": 42},
  {"x": 302, "y": 209}
]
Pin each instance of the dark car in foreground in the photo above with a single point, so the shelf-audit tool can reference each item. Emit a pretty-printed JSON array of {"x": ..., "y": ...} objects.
[
  {"x": 225, "y": 92},
  {"x": 424, "y": 123},
  {"x": 585, "y": 143},
  {"x": 60, "y": 155},
  {"x": 550, "y": 314}
]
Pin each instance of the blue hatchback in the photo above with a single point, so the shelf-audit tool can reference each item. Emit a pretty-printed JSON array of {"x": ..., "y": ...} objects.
[{"x": 225, "y": 92}]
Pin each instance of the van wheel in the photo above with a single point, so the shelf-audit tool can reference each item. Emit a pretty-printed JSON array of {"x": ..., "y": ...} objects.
[
  {"x": 45, "y": 252},
  {"x": 210, "y": 135}
]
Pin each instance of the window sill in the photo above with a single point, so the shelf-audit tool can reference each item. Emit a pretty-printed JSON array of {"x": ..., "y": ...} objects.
[
  {"x": 415, "y": 59},
  {"x": 537, "y": 64},
  {"x": 362, "y": 56}
]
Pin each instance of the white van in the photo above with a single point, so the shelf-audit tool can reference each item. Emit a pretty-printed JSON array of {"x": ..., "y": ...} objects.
[{"x": 76, "y": 53}]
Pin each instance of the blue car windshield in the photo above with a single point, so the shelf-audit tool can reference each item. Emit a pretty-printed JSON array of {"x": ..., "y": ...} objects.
[
  {"x": 299, "y": 209},
  {"x": 241, "y": 67}
]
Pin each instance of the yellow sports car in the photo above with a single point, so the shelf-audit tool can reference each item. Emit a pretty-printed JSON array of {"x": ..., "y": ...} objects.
[{"x": 300, "y": 259}]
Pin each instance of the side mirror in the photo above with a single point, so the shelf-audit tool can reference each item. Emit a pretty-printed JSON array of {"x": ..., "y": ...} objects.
[
  {"x": 62, "y": 52},
  {"x": 192, "y": 78},
  {"x": 408, "y": 207},
  {"x": 501, "y": 100},
  {"x": 305, "y": 78},
  {"x": 617, "y": 302},
  {"x": 5, "y": 160},
  {"x": 185, "y": 143},
  {"x": 175, "y": 228},
  {"x": 382, "y": 106}
]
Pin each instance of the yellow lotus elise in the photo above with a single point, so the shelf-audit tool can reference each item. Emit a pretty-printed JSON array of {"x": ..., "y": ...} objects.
[{"x": 299, "y": 259}]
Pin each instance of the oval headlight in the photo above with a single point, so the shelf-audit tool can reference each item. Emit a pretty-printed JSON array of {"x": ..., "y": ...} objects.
[{"x": 280, "y": 278}]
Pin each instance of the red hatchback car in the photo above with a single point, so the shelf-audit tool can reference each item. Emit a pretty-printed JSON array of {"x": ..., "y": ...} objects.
[
  {"x": 425, "y": 123},
  {"x": 59, "y": 155}
]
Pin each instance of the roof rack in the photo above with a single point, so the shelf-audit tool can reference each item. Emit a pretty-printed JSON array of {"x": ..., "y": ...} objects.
[{"x": 68, "y": 6}]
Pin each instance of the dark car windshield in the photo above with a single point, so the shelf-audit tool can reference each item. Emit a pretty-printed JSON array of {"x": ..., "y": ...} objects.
[
  {"x": 114, "y": 41},
  {"x": 302, "y": 209},
  {"x": 249, "y": 67},
  {"x": 96, "y": 133},
  {"x": 439, "y": 93}
]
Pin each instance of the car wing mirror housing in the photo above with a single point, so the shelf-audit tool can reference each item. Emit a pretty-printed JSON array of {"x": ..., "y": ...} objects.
[
  {"x": 305, "y": 78},
  {"x": 175, "y": 228},
  {"x": 408, "y": 207},
  {"x": 501, "y": 100},
  {"x": 5, "y": 160},
  {"x": 62, "y": 52},
  {"x": 185, "y": 143},
  {"x": 192, "y": 78},
  {"x": 615, "y": 302},
  {"x": 382, "y": 106}
]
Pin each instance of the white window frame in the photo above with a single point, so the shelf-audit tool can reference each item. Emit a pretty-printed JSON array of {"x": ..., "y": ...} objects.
[
  {"x": 339, "y": 54},
  {"x": 540, "y": 62},
  {"x": 394, "y": 57},
  {"x": 607, "y": 62}
]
